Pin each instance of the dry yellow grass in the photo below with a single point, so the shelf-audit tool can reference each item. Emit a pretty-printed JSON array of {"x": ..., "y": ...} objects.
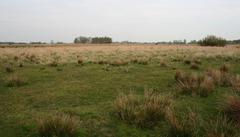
[{"x": 95, "y": 53}]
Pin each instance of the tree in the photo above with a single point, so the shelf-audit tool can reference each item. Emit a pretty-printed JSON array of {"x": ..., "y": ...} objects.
[
  {"x": 212, "y": 40},
  {"x": 82, "y": 39}
]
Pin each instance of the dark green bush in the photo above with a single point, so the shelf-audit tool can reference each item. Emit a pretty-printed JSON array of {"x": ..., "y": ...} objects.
[{"x": 212, "y": 40}]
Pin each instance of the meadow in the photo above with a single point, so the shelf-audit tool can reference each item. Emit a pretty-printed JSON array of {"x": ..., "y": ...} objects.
[{"x": 117, "y": 90}]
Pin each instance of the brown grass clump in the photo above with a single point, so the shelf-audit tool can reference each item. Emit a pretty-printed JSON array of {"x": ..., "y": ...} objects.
[
  {"x": 80, "y": 61},
  {"x": 143, "y": 112},
  {"x": 206, "y": 87},
  {"x": 118, "y": 63},
  {"x": 57, "y": 126},
  {"x": 179, "y": 75},
  {"x": 232, "y": 108},
  {"x": 194, "y": 84},
  {"x": 194, "y": 66},
  {"x": 185, "y": 126},
  {"x": 163, "y": 64},
  {"x": 187, "y": 62},
  {"x": 219, "y": 77},
  {"x": 221, "y": 127},
  {"x": 225, "y": 68},
  {"x": 15, "y": 81},
  {"x": 235, "y": 83},
  {"x": 197, "y": 61},
  {"x": 141, "y": 61},
  {"x": 9, "y": 68}
]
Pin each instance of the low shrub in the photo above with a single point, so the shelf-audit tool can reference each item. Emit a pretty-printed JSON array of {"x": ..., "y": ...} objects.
[
  {"x": 57, "y": 126},
  {"x": 143, "y": 112}
]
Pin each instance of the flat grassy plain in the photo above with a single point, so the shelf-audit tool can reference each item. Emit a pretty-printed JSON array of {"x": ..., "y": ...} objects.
[{"x": 84, "y": 80}]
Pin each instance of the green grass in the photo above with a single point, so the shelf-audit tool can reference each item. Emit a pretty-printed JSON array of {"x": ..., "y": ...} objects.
[{"x": 88, "y": 92}]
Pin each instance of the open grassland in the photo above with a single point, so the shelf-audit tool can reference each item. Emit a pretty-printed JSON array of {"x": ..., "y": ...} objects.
[{"x": 120, "y": 91}]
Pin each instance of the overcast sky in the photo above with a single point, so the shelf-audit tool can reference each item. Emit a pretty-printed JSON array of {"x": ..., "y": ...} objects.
[{"x": 133, "y": 20}]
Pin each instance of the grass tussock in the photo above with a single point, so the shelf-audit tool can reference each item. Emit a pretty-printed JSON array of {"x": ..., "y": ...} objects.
[
  {"x": 141, "y": 61},
  {"x": 194, "y": 66},
  {"x": 143, "y": 112},
  {"x": 185, "y": 126},
  {"x": 119, "y": 63},
  {"x": 58, "y": 126},
  {"x": 231, "y": 108},
  {"x": 194, "y": 84},
  {"x": 220, "y": 78},
  {"x": 221, "y": 127},
  {"x": 9, "y": 68},
  {"x": 15, "y": 81},
  {"x": 235, "y": 83}
]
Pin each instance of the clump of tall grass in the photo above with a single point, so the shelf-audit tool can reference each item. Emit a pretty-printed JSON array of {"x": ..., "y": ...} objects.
[
  {"x": 15, "y": 81},
  {"x": 194, "y": 66},
  {"x": 55, "y": 59},
  {"x": 231, "y": 107},
  {"x": 9, "y": 68},
  {"x": 187, "y": 62},
  {"x": 80, "y": 62},
  {"x": 194, "y": 84},
  {"x": 185, "y": 126},
  {"x": 235, "y": 83},
  {"x": 220, "y": 77},
  {"x": 221, "y": 127},
  {"x": 141, "y": 61},
  {"x": 163, "y": 64},
  {"x": 119, "y": 63},
  {"x": 143, "y": 112},
  {"x": 225, "y": 68},
  {"x": 58, "y": 126}
]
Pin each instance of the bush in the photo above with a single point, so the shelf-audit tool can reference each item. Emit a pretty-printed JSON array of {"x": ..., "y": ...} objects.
[
  {"x": 143, "y": 112},
  {"x": 57, "y": 126},
  {"x": 213, "y": 41},
  {"x": 15, "y": 81}
]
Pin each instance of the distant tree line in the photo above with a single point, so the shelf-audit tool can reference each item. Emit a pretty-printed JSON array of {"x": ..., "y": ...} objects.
[
  {"x": 94, "y": 40},
  {"x": 233, "y": 41}
]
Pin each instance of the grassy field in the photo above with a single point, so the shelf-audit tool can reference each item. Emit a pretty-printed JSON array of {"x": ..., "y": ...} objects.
[{"x": 84, "y": 81}]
